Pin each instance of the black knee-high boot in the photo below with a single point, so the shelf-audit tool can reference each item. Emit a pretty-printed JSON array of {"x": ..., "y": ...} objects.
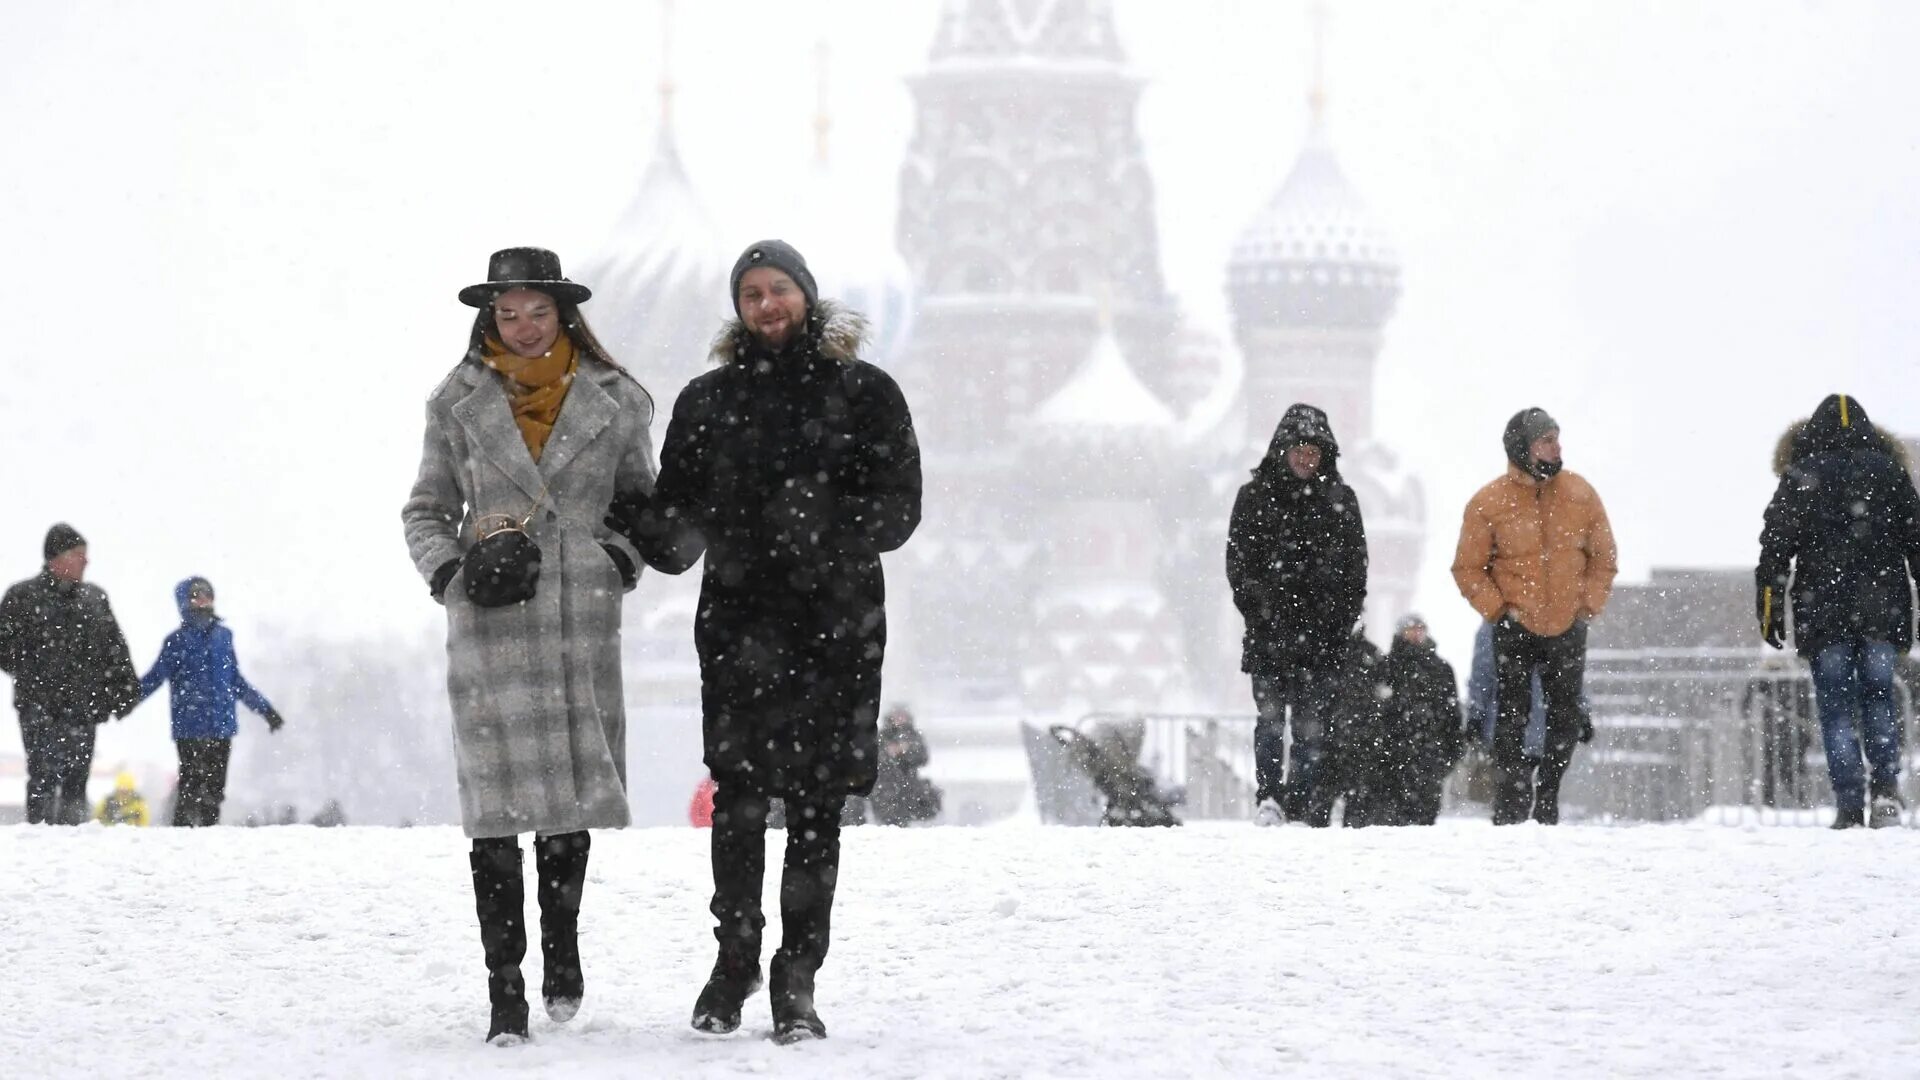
[
  {"x": 739, "y": 870},
  {"x": 1512, "y": 792},
  {"x": 809, "y": 875},
  {"x": 500, "y": 899},
  {"x": 561, "y": 863}
]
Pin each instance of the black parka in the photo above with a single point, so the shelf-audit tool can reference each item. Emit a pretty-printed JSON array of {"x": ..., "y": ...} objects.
[
  {"x": 793, "y": 472},
  {"x": 1296, "y": 555},
  {"x": 64, "y": 649},
  {"x": 1845, "y": 520}
]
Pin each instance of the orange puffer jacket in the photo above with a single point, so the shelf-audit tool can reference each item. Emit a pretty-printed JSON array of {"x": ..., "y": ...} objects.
[{"x": 1542, "y": 550}]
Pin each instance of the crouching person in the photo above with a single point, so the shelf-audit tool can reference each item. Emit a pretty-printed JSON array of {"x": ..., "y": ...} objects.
[
  {"x": 199, "y": 662},
  {"x": 793, "y": 465}
]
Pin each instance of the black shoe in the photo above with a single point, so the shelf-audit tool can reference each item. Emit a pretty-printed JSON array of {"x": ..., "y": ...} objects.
[
  {"x": 1849, "y": 817},
  {"x": 1512, "y": 795},
  {"x": 794, "y": 1018},
  {"x": 500, "y": 900},
  {"x": 561, "y": 863},
  {"x": 734, "y": 980}
]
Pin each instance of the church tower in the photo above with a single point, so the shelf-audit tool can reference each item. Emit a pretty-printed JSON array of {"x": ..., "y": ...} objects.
[{"x": 1311, "y": 284}]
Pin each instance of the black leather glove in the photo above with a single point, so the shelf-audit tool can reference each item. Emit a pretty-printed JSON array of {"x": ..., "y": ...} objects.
[
  {"x": 441, "y": 578},
  {"x": 629, "y": 577},
  {"x": 274, "y": 720},
  {"x": 1770, "y": 607}
]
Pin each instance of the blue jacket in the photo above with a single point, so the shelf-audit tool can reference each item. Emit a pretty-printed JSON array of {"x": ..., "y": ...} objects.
[{"x": 199, "y": 661}]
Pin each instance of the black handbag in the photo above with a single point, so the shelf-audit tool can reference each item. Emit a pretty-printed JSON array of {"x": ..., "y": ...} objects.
[{"x": 503, "y": 568}]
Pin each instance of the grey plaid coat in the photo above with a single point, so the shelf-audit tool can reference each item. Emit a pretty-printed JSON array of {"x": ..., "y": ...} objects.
[{"x": 539, "y": 720}]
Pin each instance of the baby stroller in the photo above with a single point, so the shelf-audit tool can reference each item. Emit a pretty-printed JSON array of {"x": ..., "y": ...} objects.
[{"x": 1110, "y": 756}]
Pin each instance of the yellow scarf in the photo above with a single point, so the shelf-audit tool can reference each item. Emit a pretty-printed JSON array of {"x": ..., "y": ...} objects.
[{"x": 536, "y": 386}]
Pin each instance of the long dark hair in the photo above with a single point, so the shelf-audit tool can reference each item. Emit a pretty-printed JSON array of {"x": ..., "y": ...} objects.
[{"x": 572, "y": 323}]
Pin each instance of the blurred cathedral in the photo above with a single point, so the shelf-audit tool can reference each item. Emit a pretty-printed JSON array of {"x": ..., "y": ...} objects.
[{"x": 1082, "y": 438}]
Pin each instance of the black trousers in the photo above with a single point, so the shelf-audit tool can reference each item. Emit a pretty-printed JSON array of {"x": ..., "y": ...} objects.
[
  {"x": 1299, "y": 782},
  {"x": 59, "y": 759},
  {"x": 1562, "y": 663},
  {"x": 203, "y": 781},
  {"x": 808, "y": 875}
]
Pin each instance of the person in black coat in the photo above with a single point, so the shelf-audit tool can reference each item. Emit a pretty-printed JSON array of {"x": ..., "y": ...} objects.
[
  {"x": 71, "y": 672},
  {"x": 1421, "y": 738},
  {"x": 1297, "y": 562},
  {"x": 1838, "y": 555},
  {"x": 792, "y": 465},
  {"x": 900, "y": 794}
]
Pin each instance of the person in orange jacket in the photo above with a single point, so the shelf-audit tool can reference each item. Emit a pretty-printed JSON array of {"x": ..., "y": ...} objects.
[{"x": 1537, "y": 560}]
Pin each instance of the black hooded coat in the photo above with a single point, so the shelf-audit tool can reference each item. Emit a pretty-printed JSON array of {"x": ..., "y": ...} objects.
[
  {"x": 1845, "y": 519},
  {"x": 793, "y": 472},
  {"x": 1296, "y": 555}
]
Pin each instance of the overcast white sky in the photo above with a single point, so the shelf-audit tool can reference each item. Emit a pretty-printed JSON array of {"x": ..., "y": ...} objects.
[{"x": 231, "y": 233}]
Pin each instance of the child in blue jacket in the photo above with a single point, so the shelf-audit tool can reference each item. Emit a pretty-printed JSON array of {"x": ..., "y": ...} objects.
[{"x": 199, "y": 661}]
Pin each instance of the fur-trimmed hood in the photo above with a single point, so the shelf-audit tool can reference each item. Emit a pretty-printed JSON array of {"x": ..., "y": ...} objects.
[
  {"x": 840, "y": 331},
  {"x": 1796, "y": 444}
]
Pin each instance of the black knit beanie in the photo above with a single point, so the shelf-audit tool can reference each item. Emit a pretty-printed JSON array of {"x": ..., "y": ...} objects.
[
  {"x": 1526, "y": 426},
  {"x": 61, "y": 539},
  {"x": 783, "y": 257}
]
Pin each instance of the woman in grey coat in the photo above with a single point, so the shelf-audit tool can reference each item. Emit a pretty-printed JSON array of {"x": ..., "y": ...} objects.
[{"x": 528, "y": 441}]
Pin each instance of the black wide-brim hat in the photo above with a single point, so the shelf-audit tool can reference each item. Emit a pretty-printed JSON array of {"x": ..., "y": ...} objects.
[{"x": 524, "y": 268}]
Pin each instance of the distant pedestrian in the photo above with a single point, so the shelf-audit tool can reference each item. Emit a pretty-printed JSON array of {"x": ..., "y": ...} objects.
[
  {"x": 901, "y": 795},
  {"x": 71, "y": 672},
  {"x": 1297, "y": 564},
  {"x": 125, "y": 806},
  {"x": 198, "y": 662},
  {"x": 794, "y": 465},
  {"x": 1839, "y": 553},
  {"x": 1536, "y": 559},
  {"x": 1423, "y": 738}
]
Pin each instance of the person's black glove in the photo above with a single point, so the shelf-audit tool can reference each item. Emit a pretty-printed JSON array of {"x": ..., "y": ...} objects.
[
  {"x": 629, "y": 577},
  {"x": 1770, "y": 607},
  {"x": 665, "y": 542},
  {"x": 503, "y": 569},
  {"x": 274, "y": 720},
  {"x": 441, "y": 578}
]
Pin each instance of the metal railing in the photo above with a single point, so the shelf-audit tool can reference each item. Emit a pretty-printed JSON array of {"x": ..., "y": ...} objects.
[{"x": 1715, "y": 742}]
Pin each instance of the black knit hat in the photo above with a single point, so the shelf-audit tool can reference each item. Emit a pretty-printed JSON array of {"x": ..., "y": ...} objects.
[
  {"x": 1526, "y": 426},
  {"x": 61, "y": 539},
  {"x": 783, "y": 257}
]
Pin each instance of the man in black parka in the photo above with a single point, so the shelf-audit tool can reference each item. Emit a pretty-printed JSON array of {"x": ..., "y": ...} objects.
[
  {"x": 793, "y": 464},
  {"x": 71, "y": 672},
  {"x": 1297, "y": 562},
  {"x": 1842, "y": 542},
  {"x": 1420, "y": 739}
]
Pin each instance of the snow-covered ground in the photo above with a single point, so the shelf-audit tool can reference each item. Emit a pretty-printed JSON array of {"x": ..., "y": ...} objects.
[{"x": 1006, "y": 952}]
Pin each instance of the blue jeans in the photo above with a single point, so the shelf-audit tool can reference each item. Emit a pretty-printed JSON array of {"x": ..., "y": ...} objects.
[
  {"x": 1853, "y": 683},
  {"x": 1298, "y": 784}
]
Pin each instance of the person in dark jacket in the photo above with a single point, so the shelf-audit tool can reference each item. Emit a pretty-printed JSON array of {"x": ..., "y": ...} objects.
[
  {"x": 792, "y": 465},
  {"x": 1838, "y": 555},
  {"x": 71, "y": 672},
  {"x": 1297, "y": 563},
  {"x": 199, "y": 662},
  {"x": 901, "y": 795},
  {"x": 1421, "y": 737}
]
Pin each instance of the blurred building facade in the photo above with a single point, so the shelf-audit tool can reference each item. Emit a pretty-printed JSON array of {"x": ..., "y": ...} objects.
[{"x": 1083, "y": 438}]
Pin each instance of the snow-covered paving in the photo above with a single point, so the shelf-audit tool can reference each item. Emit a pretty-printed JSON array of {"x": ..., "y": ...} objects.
[{"x": 1007, "y": 952}]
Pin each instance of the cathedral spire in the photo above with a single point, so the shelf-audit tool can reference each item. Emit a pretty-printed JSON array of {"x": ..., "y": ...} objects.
[
  {"x": 821, "y": 121},
  {"x": 667, "y": 87},
  {"x": 1317, "y": 91}
]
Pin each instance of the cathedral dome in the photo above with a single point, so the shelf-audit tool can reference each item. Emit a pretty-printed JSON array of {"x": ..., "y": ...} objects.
[
  {"x": 1313, "y": 256},
  {"x": 659, "y": 279}
]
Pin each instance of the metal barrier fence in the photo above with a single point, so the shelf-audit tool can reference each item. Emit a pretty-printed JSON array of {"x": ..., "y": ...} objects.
[{"x": 1672, "y": 742}]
